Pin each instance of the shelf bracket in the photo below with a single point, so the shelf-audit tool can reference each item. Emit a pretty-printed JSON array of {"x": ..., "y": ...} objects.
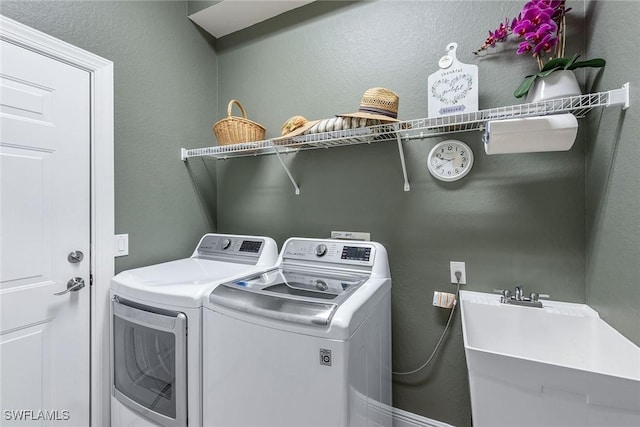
[
  {"x": 619, "y": 96},
  {"x": 286, "y": 169},
  {"x": 402, "y": 162}
]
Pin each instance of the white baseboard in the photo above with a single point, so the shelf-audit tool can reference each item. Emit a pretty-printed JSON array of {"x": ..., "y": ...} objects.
[
  {"x": 401, "y": 418},
  {"x": 408, "y": 419}
]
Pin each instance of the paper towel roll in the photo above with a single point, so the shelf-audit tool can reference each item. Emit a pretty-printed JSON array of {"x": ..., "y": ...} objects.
[{"x": 531, "y": 134}]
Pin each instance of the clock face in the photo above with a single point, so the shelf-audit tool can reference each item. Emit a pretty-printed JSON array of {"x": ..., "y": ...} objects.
[{"x": 450, "y": 160}]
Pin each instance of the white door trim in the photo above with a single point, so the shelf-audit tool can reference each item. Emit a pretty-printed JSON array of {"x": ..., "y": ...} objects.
[{"x": 102, "y": 194}]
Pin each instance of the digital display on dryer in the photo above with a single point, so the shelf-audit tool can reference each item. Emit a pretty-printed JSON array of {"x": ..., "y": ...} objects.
[
  {"x": 356, "y": 253},
  {"x": 250, "y": 246}
]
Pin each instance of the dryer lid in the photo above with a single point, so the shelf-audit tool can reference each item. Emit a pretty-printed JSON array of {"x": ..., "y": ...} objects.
[{"x": 181, "y": 283}]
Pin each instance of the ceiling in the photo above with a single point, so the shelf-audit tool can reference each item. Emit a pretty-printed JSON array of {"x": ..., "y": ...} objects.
[{"x": 229, "y": 16}]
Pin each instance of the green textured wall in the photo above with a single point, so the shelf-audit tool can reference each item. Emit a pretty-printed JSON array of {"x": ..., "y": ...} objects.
[
  {"x": 515, "y": 219},
  {"x": 613, "y": 176},
  {"x": 526, "y": 219},
  {"x": 165, "y": 99}
]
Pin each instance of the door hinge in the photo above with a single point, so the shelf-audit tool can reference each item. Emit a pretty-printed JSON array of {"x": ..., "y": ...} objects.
[{"x": 90, "y": 279}]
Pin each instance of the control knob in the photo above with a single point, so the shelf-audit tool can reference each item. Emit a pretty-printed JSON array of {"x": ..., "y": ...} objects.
[
  {"x": 226, "y": 243},
  {"x": 321, "y": 250}
]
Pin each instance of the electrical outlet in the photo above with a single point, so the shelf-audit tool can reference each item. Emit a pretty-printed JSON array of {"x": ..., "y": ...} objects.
[{"x": 458, "y": 266}]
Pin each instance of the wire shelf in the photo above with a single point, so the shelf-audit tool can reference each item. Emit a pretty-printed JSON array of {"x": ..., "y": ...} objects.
[
  {"x": 409, "y": 130},
  {"x": 416, "y": 129}
]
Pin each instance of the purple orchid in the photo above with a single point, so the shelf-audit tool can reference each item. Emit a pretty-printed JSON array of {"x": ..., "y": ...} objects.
[
  {"x": 537, "y": 15},
  {"x": 499, "y": 35},
  {"x": 545, "y": 45},
  {"x": 524, "y": 47},
  {"x": 540, "y": 31},
  {"x": 538, "y": 26},
  {"x": 524, "y": 26}
]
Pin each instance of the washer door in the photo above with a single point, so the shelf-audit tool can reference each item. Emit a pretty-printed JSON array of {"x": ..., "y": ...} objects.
[
  {"x": 149, "y": 362},
  {"x": 309, "y": 298}
]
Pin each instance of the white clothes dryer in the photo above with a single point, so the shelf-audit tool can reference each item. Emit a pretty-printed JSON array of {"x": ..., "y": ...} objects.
[
  {"x": 304, "y": 344},
  {"x": 156, "y": 329}
]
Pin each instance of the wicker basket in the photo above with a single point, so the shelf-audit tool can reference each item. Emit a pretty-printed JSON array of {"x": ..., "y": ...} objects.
[{"x": 234, "y": 130}]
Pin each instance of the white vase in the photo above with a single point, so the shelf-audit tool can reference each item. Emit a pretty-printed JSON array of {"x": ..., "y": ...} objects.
[{"x": 558, "y": 84}]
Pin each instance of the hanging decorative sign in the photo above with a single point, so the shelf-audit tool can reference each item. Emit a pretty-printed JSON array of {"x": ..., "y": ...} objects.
[{"x": 453, "y": 89}]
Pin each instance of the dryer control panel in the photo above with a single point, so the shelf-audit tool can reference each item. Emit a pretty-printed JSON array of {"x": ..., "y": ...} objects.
[
  {"x": 224, "y": 247},
  {"x": 330, "y": 251}
]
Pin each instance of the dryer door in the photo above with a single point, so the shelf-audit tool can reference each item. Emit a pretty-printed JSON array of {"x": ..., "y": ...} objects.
[{"x": 149, "y": 362}]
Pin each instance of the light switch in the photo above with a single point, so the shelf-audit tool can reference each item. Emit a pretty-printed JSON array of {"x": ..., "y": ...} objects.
[{"x": 121, "y": 245}]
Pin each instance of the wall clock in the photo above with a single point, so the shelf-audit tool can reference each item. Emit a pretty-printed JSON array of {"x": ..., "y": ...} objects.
[{"x": 450, "y": 160}]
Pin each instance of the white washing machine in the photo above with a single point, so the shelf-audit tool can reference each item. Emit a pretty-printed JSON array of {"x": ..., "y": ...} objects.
[
  {"x": 307, "y": 343},
  {"x": 156, "y": 329}
]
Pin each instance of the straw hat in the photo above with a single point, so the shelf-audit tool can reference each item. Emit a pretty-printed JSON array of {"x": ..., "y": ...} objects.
[
  {"x": 297, "y": 125},
  {"x": 377, "y": 103}
]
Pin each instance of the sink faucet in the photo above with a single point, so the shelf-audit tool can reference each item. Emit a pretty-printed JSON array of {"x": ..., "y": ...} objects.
[{"x": 518, "y": 297}]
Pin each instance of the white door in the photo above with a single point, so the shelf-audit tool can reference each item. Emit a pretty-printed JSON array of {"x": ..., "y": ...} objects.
[{"x": 45, "y": 216}]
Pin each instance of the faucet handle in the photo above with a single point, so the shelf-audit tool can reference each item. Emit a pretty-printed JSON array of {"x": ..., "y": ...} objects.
[
  {"x": 506, "y": 294},
  {"x": 519, "y": 292},
  {"x": 536, "y": 296}
]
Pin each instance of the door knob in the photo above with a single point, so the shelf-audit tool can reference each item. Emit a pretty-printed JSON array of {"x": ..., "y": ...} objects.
[
  {"x": 73, "y": 285},
  {"x": 75, "y": 257}
]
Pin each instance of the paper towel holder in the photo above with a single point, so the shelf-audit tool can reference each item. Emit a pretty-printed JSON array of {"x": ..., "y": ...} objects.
[{"x": 555, "y": 132}]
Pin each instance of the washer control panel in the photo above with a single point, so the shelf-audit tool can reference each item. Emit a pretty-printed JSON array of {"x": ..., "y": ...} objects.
[
  {"x": 216, "y": 246},
  {"x": 359, "y": 253},
  {"x": 356, "y": 253}
]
